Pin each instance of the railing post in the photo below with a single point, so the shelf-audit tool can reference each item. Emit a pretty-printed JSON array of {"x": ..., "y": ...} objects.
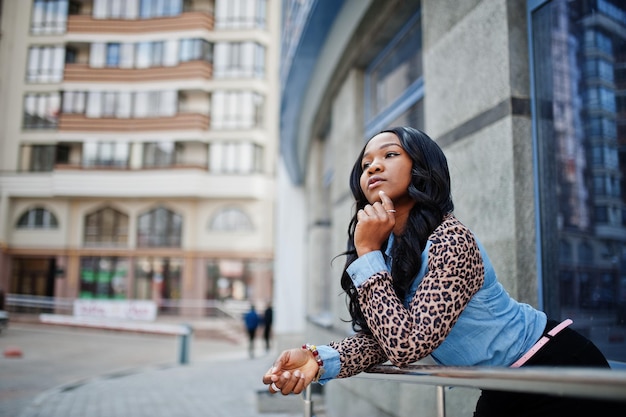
[
  {"x": 183, "y": 350},
  {"x": 441, "y": 401},
  {"x": 308, "y": 403}
]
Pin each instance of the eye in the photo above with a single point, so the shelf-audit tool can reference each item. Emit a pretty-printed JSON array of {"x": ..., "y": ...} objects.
[
  {"x": 391, "y": 154},
  {"x": 365, "y": 165}
]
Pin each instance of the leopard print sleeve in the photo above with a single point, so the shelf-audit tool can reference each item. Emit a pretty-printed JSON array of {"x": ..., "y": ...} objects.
[
  {"x": 357, "y": 353},
  {"x": 455, "y": 274}
]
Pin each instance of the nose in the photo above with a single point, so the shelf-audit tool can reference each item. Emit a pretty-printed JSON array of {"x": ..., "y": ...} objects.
[{"x": 374, "y": 166}]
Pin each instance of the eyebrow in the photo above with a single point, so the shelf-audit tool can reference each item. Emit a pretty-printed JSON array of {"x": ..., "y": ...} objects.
[{"x": 383, "y": 146}]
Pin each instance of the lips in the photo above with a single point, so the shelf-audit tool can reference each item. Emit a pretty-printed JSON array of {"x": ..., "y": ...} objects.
[{"x": 374, "y": 181}]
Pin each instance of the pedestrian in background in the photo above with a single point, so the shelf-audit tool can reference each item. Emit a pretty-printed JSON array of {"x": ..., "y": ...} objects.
[
  {"x": 268, "y": 318},
  {"x": 251, "y": 320},
  {"x": 419, "y": 283}
]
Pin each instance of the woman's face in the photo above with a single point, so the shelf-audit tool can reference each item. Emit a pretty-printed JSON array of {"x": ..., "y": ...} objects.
[{"x": 387, "y": 167}]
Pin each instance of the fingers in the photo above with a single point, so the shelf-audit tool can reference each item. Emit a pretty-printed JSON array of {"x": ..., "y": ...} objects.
[
  {"x": 386, "y": 202},
  {"x": 267, "y": 378},
  {"x": 288, "y": 383},
  {"x": 380, "y": 211}
]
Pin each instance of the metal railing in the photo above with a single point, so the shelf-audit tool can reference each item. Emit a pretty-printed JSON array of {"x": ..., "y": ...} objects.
[
  {"x": 183, "y": 331},
  {"x": 596, "y": 383},
  {"x": 35, "y": 303},
  {"x": 41, "y": 304}
]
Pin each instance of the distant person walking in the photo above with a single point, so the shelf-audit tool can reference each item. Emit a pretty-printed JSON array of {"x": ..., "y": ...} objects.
[
  {"x": 251, "y": 319},
  {"x": 268, "y": 318}
]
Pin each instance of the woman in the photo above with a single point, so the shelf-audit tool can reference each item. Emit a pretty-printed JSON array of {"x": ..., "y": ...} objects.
[{"x": 419, "y": 283}]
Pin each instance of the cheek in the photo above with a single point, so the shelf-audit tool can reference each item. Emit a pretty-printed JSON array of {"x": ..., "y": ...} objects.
[{"x": 363, "y": 183}]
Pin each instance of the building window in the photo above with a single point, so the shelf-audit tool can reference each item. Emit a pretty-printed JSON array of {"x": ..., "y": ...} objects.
[
  {"x": 103, "y": 277},
  {"x": 41, "y": 111},
  {"x": 37, "y": 218},
  {"x": 105, "y": 154},
  {"x": 225, "y": 279},
  {"x": 121, "y": 104},
  {"x": 161, "y": 154},
  {"x": 239, "y": 60},
  {"x": 581, "y": 162},
  {"x": 155, "y": 103},
  {"x": 235, "y": 158},
  {"x": 115, "y": 9},
  {"x": 45, "y": 64},
  {"x": 160, "y": 8},
  {"x": 236, "y": 110},
  {"x": 231, "y": 219},
  {"x": 131, "y": 9},
  {"x": 160, "y": 280},
  {"x": 113, "y": 55},
  {"x": 41, "y": 158},
  {"x": 49, "y": 17},
  {"x": 195, "y": 50},
  {"x": 74, "y": 102},
  {"x": 160, "y": 227},
  {"x": 240, "y": 14},
  {"x": 106, "y": 227},
  {"x": 393, "y": 82},
  {"x": 149, "y": 54}
]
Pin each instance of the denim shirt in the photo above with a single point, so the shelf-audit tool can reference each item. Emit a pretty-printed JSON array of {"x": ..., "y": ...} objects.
[{"x": 493, "y": 329}]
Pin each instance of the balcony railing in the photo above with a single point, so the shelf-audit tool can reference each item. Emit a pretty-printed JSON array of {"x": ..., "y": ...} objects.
[
  {"x": 181, "y": 121},
  {"x": 183, "y": 71},
  {"x": 186, "y": 21}
]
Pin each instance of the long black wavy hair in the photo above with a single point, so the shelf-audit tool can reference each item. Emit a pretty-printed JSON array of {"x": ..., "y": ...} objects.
[{"x": 430, "y": 189}]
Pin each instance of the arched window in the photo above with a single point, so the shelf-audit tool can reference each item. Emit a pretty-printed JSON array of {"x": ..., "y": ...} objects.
[
  {"x": 37, "y": 218},
  {"x": 231, "y": 219},
  {"x": 160, "y": 227},
  {"x": 106, "y": 227}
]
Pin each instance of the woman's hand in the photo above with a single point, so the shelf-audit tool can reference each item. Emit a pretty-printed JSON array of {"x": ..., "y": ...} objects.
[
  {"x": 292, "y": 372},
  {"x": 374, "y": 225}
]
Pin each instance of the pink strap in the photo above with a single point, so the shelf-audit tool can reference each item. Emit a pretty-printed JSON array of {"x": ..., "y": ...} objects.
[{"x": 542, "y": 341}]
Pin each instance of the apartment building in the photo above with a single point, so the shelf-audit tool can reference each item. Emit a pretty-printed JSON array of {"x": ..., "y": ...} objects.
[{"x": 138, "y": 141}]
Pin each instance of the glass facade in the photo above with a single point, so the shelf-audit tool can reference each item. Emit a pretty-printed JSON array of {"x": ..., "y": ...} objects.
[
  {"x": 233, "y": 279},
  {"x": 579, "y": 62},
  {"x": 159, "y": 279},
  {"x": 103, "y": 277},
  {"x": 393, "y": 82}
]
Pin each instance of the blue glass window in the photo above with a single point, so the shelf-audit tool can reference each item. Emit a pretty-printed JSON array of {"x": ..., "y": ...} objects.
[
  {"x": 393, "y": 82},
  {"x": 578, "y": 48},
  {"x": 113, "y": 55}
]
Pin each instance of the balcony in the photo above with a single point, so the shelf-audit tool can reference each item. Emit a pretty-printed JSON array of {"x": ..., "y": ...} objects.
[
  {"x": 177, "y": 183},
  {"x": 181, "y": 122},
  {"x": 82, "y": 24},
  {"x": 185, "y": 70}
]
